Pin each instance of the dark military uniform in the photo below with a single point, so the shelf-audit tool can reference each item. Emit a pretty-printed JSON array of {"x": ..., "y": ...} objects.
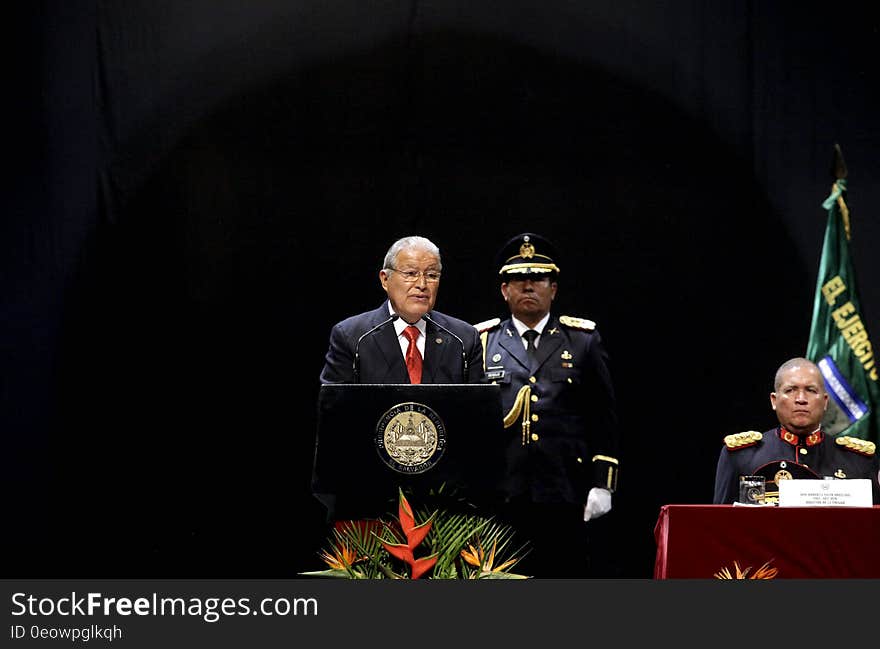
[
  {"x": 795, "y": 456},
  {"x": 560, "y": 412},
  {"x": 560, "y": 416}
]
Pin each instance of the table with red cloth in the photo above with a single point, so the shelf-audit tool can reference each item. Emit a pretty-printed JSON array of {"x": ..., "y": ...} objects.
[{"x": 699, "y": 541}]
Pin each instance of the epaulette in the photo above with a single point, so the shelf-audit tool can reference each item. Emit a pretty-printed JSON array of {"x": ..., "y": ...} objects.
[
  {"x": 860, "y": 446},
  {"x": 487, "y": 324},
  {"x": 577, "y": 323},
  {"x": 742, "y": 440}
]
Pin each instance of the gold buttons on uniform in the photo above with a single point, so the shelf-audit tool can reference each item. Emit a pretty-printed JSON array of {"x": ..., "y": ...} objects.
[
  {"x": 534, "y": 397},
  {"x": 568, "y": 379},
  {"x": 534, "y": 417},
  {"x": 534, "y": 437},
  {"x": 803, "y": 451},
  {"x": 532, "y": 379},
  {"x": 579, "y": 461}
]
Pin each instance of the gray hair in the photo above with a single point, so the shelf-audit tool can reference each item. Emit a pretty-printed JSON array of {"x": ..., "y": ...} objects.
[
  {"x": 412, "y": 242},
  {"x": 791, "y": 364}
]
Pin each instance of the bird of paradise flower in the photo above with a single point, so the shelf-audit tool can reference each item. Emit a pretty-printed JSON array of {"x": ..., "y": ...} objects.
[{"x": 476, "y": 557}]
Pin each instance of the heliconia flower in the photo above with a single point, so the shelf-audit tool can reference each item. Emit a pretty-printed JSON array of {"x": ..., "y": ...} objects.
[
  {"x": 421, "y": 566},
  {"x": 417, "y": 534},
  {"x": 414, "y": 534},
  {"x": 399, "y": 551},
  {"x": 404, "y": 513}
]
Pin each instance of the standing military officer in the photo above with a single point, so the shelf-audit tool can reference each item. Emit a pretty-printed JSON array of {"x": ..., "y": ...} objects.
[{"x": 558, "y": 397}]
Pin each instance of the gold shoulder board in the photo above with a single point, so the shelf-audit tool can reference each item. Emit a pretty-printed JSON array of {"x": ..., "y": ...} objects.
[
  {"x": 486, "y": 325},
  {"x": 860, "y": 446},
  {"x": 742, "y": 440},
  {"x": 577, "y": 323}
]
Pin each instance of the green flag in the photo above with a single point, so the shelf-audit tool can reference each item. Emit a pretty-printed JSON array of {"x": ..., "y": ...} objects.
[{"x": 839, "y": 342}]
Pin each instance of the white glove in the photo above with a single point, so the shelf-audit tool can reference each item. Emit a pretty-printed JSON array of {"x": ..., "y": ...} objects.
[{"x": 598, "y": 503}]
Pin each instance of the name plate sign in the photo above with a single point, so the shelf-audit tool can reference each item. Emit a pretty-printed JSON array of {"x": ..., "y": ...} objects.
[{"x": 825, "y": 493}]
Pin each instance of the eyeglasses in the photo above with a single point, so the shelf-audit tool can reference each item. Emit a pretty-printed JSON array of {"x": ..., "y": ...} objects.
[{"x": 411, "y": 276}]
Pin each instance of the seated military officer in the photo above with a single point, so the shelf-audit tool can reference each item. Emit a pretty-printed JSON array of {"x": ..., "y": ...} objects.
[
  {"x": 798, "y": 447},
  {"x": 557, "y": 394}
]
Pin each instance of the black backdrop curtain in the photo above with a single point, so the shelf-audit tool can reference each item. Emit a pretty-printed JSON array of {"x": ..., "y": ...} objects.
[{"x": 206, "y": 187}]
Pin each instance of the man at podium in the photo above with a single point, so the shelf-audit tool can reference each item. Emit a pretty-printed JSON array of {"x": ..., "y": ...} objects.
[
  {"x": 404, "y": 340},
  {"x": 798, "y": 447},
  {"x": 402, "y": 400}
]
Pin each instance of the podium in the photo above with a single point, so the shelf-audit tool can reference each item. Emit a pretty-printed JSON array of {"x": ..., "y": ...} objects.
[
  {"x": 697, "y": 541},
  {"x": 373, "y": 439}
]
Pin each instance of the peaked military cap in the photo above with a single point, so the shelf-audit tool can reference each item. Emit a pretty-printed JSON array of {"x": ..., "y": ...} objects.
[
  {"x": 525, "y": 254},
  {"x": 784, "y": 470},
  {"x": 779, "y": 470}
]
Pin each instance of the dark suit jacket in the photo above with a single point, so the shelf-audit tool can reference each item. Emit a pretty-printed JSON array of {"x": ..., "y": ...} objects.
[{"x": 380, "y": 359}]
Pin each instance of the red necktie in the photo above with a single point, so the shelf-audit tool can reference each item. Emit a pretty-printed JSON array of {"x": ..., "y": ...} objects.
[{"x": 413, "y": 357}]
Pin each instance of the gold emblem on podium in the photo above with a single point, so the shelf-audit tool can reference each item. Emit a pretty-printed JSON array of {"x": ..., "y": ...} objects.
[{"x": 410, "y": 438}]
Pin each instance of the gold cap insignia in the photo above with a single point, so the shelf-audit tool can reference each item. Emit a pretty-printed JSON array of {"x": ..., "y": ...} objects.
[
  {"x": 526, "y": 250},
  {"x": 782, "y": 474}
]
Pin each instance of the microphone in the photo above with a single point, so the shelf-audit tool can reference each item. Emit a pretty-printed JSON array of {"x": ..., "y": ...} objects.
[
  {"x": 464, "y": 359},
  {"x": 355, "y": 364}
]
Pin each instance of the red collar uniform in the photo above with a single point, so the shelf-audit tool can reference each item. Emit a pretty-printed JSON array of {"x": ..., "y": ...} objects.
[{"x": 779, "y": 454}]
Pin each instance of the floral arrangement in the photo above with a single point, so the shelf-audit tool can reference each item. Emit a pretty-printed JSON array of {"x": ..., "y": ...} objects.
[
  {"x": 764, "y": 572},
  {"x": 449, "y": 545}
]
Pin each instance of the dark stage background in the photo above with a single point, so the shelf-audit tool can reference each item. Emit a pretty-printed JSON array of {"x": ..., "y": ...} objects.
[{"x": 201, "y": 188}]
